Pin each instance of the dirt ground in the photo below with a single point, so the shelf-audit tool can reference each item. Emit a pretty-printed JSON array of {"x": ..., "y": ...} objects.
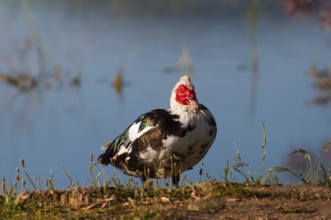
[
  {"x": 272, "y": 202},
  {"x": 244, "y": 203},
  {"x": 205, "y": 200}
]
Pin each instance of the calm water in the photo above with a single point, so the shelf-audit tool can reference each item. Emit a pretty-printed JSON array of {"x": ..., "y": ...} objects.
[{"x": 62, "y": 125}]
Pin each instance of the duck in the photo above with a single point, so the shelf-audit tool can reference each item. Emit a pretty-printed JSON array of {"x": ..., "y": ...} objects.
[{"x": 164, "y": 143}]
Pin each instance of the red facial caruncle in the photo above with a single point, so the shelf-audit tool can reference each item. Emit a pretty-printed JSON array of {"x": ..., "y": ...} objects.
[{"x": 184, "y": 95}]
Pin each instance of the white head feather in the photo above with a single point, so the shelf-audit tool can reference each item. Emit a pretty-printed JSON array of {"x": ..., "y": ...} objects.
[{"x": 174, "y": 104}]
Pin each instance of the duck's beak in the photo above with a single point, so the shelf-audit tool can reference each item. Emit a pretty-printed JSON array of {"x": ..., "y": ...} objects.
[{"x": 193, "y": 103}]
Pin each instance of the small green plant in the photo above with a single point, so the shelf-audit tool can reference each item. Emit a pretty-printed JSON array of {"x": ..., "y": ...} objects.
[
  {"x": 313, "y": 172},
  {"x": 251, "y": 175}
]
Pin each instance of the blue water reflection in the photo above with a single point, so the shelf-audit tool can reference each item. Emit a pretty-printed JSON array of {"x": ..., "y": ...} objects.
[{"x": 61, "y": 125}]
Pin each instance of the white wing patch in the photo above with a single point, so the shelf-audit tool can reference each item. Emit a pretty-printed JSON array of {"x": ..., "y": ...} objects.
[
  {"x": 122, "y": 150},
  {"x": 134, "y": 132}
]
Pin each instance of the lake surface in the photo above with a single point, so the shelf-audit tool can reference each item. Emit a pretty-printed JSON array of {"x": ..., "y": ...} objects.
[{"x": 63, "y": 121}]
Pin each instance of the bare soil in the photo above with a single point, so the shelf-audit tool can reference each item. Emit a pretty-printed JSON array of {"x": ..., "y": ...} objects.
[
  {"x": 269, "y": 202},
  {"x": 205, "y": 200}
]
